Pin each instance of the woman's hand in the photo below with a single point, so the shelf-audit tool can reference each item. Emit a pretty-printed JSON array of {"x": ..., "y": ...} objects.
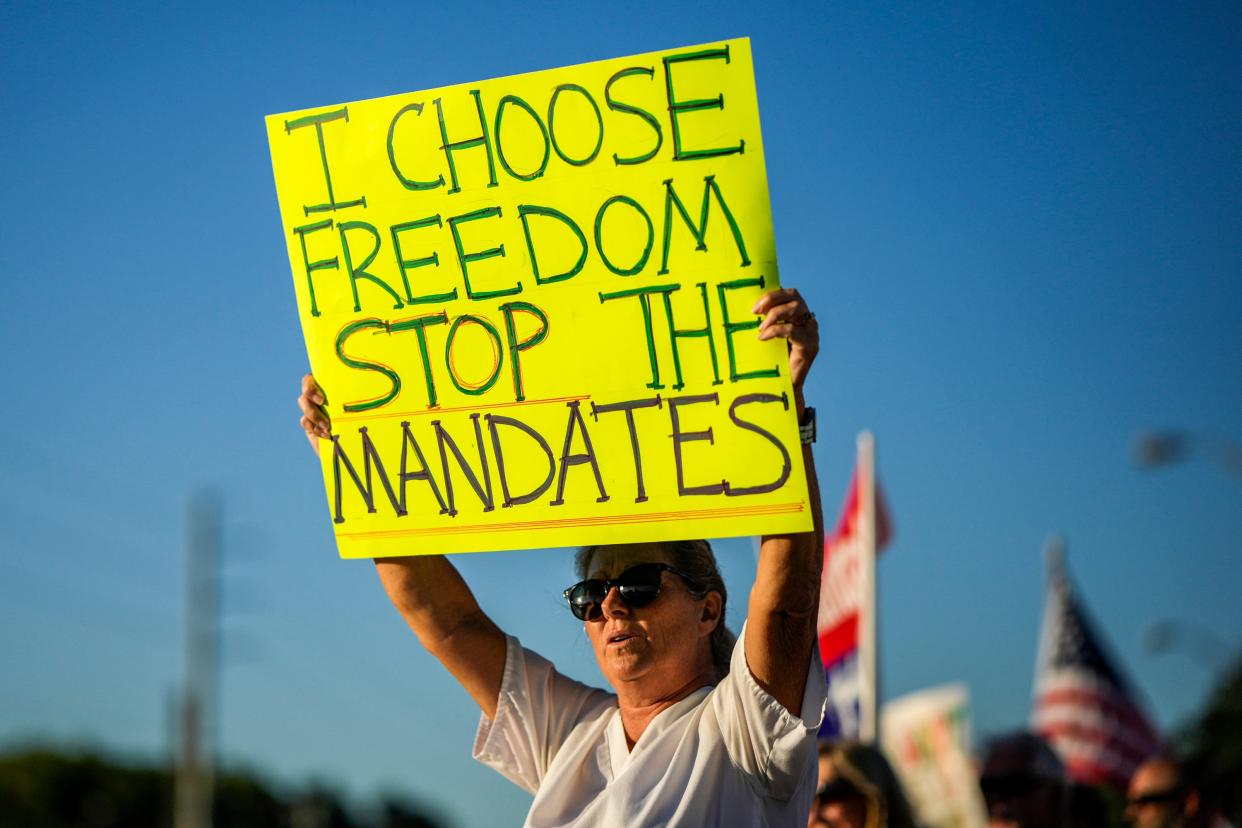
[
  {"x": 315, "y": 420},
  {"x": 786, "y": 315}
]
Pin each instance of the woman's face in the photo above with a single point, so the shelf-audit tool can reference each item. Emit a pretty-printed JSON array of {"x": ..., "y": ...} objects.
[
  {"x": 849, "y": 813},
  {"x": 654, "y": 650}
]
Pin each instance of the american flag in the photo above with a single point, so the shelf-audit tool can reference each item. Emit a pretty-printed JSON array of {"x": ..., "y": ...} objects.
[{"x": 1083, "y": 705}]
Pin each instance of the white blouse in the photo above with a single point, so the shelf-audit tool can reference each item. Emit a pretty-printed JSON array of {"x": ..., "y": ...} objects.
[{"x": 723, "y": 756}]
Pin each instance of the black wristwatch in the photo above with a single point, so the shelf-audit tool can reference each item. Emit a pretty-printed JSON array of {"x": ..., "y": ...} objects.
[{"x": 806, "y": 426}]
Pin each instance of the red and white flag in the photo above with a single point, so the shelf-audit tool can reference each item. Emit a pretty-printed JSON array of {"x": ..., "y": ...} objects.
[
  {"x": 842, "y": 602},
  {"x": 1083, "y": 705}
]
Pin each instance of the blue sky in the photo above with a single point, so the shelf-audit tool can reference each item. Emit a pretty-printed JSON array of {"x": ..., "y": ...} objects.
[{"x": 1019, "y": 228}]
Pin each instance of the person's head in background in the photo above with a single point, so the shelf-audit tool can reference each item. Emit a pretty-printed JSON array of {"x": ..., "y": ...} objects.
[
  {"x": 1023, "y": 783},
  {"x": 857, "y": 789},
  {"x": 1159, "y": 797}
]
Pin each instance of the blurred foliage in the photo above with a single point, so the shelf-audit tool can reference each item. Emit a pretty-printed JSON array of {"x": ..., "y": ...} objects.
[
  {"x": 1212, "y": 746},
  {"x": 44, "y": 788}
]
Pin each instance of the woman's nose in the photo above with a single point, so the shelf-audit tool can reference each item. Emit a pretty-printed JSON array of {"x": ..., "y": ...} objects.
[{"x": 613, "y": 606}]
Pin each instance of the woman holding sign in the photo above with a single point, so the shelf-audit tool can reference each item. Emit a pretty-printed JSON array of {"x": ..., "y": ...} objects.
[{"x": 698, "y": 730}]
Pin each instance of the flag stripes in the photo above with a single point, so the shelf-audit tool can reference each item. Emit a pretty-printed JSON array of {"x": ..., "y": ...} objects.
[{"x": 1083, "y": 706}]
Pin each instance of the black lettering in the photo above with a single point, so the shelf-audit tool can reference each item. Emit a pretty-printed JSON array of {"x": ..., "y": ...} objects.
[
  {"x": 679, "y": 437},
  {"x": 628, "y": 407},
  {"x": 407, "y": 440},
  {"x": 482, "y": 490},
  {"x": 747, "y": 399},
  {"x": 568, "y": 459},
  {"x": 367, "y": 490},
  {"x": 494, "y": 420}
]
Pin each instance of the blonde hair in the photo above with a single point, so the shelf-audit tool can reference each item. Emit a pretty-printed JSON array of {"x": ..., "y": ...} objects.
[{"x": 869, "y": 773}]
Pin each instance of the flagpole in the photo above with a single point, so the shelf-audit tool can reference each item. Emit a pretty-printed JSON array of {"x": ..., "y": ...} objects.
[
  {"x": 1054, "y": 568},
  {"x": 869, "y": 686},
  {"x": 1054, "y": 557}
]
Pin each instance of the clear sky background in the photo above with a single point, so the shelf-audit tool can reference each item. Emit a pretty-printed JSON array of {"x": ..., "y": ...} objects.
[{"x": 1021, "y": 229}]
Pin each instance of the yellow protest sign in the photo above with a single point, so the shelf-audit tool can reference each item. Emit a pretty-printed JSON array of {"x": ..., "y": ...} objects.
[{"x": 528, "y": 301}]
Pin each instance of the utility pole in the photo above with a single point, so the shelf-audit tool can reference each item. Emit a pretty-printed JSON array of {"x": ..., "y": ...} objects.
[{"x": 195, "y": 766}]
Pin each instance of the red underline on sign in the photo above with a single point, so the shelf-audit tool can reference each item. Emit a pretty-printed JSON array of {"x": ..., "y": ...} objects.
[
  {"x": 438, "y": 410},
  {"x": 652, "y": 517}
]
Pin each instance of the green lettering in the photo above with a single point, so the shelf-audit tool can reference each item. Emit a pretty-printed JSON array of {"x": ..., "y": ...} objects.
[
  {"x": 677, "y": 108},
  {"x": 408, "y": 183},
  {"x": 418, "y": 324},
  {"x": 317, "y": 121},
  {"x": 464, "y": 258},
  {"x": 463, "y": 386},
  {"x": 500, "y": 145},
  {"x": 311, "y": 267},
  {"x": 644, "y": 295},
  {"x": 525, "y": 210},
  {"x": 406, "y": 265},
  {"x": 700, "y": 231},
  {"x": 731, "y": 328},
  {"x": 360, "y": 272},
  {"x": 599, "y": 241},
  {"x": 451, "y": 147},
  {"x": 617, "y": 106},
  {"x": 599, "y": 119},
  {"x": 361, "y": 364},
  {"x": 516, "y": 346}
]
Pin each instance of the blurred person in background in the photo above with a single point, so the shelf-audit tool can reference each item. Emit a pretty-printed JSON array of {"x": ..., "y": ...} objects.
[
  {"x": 1023, "y": 782},
  {"x": 1160, "y": 796},
  {"x": 1087, "y": 807},
  {"x": 857, "y": 789}
]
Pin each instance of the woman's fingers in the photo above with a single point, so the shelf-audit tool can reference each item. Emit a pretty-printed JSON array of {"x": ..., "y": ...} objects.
[
  {"x": 772, "y": 298},
  {"x": 786, "y": 315},
  {"x": 312, "y": 391},
  {"x": 781, "y": 319},
  {"x": 315, "y": 420}
]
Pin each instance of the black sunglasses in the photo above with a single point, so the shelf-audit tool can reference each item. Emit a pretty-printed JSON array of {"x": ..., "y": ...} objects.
[
  {"x": 837, "y": 789},
  {"x": 1169, "y": 797},
  {"x": 637, "y": 586}
]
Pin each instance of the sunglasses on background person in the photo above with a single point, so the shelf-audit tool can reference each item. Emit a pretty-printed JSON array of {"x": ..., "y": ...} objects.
[
  {"x": 1171, "y": 796},
  {"x": 637, "y": 587},
  {"x": 837, "y": 789}
]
